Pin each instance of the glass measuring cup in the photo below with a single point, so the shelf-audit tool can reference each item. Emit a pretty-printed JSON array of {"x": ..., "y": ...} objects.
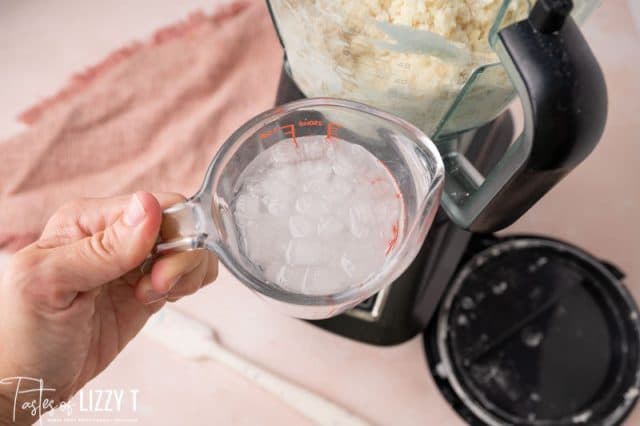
[{"x": 206, "y": 220}]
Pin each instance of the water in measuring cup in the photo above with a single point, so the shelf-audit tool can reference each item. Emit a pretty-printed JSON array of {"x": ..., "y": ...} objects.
[{"x": 317, "y": 215}]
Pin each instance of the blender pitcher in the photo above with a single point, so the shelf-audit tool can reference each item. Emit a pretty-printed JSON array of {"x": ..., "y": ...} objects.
[{"x": 450, "y": 76}]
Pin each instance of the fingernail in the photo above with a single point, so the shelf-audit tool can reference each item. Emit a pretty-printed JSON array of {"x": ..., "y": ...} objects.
[
  {"x": 150, "y": 302},
  {"x": 152, "y": 296},
  {"x": 135, "y": 213},
  {"x": 174, "y": 281}
]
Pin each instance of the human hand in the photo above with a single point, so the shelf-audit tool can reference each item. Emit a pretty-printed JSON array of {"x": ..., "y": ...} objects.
[{"x": 71, "y": 301}]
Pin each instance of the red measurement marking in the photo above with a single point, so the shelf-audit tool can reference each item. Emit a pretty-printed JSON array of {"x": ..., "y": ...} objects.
[
  {"x": 394, "y": 239},
  {"x": 398, "y": 195},
  {"x": 287, "y": 130},
  {"x": 268, "y": 133},
  {"x": 308, "y": 123},
  {"x": 332, "y": 129},
  {"x": 290, "y": 130}
]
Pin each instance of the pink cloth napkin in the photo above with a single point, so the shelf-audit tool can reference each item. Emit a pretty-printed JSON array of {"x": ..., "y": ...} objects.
[{"x": 149, "y": 117}]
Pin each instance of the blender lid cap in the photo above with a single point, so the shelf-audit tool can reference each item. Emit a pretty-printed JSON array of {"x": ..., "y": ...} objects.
[{"x": 534, "y": 331}]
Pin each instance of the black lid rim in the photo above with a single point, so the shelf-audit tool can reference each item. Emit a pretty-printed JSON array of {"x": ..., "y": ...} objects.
[{"x": 445, "y": 370}]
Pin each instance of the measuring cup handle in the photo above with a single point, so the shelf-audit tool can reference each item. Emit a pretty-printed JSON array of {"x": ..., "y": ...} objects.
[
  {"x": 180, "y": 230},
  {"x": 564, "y": 100}
]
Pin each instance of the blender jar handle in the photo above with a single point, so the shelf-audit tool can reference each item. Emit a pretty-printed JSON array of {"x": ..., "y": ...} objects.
[{"x": 564, "y": 100}]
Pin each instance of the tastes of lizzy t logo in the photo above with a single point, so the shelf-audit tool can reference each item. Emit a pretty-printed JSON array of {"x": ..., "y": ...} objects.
[{"x": 32, "y": 398}]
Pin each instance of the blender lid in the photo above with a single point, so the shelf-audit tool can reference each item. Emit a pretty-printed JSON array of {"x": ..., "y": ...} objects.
[{"x": 533, "y": 331}]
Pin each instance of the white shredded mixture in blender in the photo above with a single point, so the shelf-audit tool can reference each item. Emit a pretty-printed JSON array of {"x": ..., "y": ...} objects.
[
  {"x": 331, "y": 47},
  {"x": 317, "y": 216}
]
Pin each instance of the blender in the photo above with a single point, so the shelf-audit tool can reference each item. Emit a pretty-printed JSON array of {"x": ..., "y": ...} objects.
[
  {"x": 459, "y": 99},
  {"x": 485, "y": 304},
  {"x": 523, "y": 329}
]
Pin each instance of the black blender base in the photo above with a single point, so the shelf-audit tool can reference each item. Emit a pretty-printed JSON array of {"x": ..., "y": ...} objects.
[{"x": 534, "y": 331}]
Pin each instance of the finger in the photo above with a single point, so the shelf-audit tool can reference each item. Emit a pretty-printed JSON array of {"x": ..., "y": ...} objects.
[
  {"x": 189, "y": 283},
  {"x": 109, "y": 254},
  {"x": 212, "y": 269},
  {"x": 168, "y": 270},
  {"x": 174, "y": 269},
  {"x": 144, "y": 293},
  {"x": 84, "y": 217}
]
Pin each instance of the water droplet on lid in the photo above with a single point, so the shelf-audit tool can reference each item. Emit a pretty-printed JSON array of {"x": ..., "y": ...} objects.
[
  {"x": 534, "y": 397},
  {"x": 531, "y": 337},
  {"x": 462, "y": 320},
  {"x": 499, "y": 288},
  {"x": 535, "y": 293},
  {"x": 467, "y": 303}
]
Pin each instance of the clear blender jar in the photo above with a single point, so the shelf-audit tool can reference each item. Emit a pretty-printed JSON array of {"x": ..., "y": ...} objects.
[
  {"x": 432, "y": 64},
  {"x": 451, "y": 66}
]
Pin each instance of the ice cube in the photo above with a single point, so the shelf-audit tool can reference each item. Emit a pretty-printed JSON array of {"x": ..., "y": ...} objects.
[
  {"x": 276, "y": 197},
  {"x": 338, "y": 188},
  {"x": 350, "y": 160},
  {"x": 343, "y": 167},
  {"x": 361, "y": 219},
  {"x": 293, "y": 278},
  {"x": 306, "y": 251},
  {"x": 283, "y": 174},
  {"x": 325, "y": 280},
  {"x": 360, "y": 258},
  {"x": 329, "y": 226},
  {"x": 283, "y": 153},
  {"x": 382, "y": 189},
  {"x": 315, "y": 170},
  {"x": 313, "y": 149},
  {"x": 271, "y": 270},
  {"x": 263, "y": 240},
  {"x": 356, "y": 269},
  {"x": 310, "y": 204},
  {"x": 314, "y": 186},
  {"x": 248, "y": 205},
  {"x": 301, "y": 226}
]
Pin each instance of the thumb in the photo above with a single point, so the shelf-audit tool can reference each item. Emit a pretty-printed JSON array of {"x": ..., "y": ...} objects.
[{"x": 112, "y": 252}]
